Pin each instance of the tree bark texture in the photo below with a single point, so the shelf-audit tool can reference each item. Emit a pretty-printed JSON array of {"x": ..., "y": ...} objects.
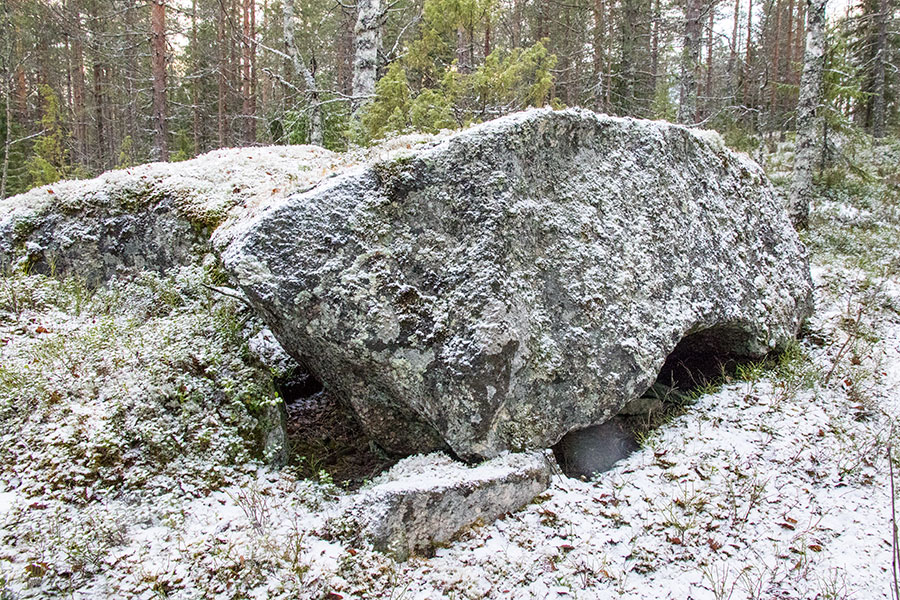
[
  {"x": 316, "y": 124},
  {"x": 367, "y": 43},
  {"x": 158, "y": 68},
  {"x": 690, "y": 56},
  {"x": 808, "y": 113}
]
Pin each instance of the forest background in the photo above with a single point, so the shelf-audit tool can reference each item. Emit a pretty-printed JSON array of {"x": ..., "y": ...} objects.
[{"x": 91, "y": 85}]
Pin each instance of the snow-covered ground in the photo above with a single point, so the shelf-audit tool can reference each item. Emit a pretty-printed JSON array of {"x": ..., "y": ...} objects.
[{"x": 776, "y": 485}]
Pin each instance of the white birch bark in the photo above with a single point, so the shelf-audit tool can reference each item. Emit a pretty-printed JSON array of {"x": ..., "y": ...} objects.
[
  {"x": 316, "y": 125},
  {"x": 808, "y": 114},
  {"x": 367, "y": 43}
]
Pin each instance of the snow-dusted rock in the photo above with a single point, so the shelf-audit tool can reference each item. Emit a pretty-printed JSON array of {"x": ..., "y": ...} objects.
[
  {"x": 524, "y": 278},
  {"x": 426, "y": 500},
  {"x": 153, "y": 216}
]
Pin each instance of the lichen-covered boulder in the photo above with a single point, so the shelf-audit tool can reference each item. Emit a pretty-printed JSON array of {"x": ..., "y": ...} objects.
[
  {"x": 524, "y": 278},
  {"x": 150, "y": 217}
]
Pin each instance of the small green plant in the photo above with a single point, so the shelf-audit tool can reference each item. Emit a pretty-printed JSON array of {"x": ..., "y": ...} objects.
[{"x": 751, "y": 371}]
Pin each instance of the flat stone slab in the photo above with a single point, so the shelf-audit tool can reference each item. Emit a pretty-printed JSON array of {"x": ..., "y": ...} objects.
[{"x": 426, "y": 500}]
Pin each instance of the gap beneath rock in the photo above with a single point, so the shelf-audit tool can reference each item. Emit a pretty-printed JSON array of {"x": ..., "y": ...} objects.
[
  {"x": 700, "y": 362},
  {"x": 325, "y": 437}
]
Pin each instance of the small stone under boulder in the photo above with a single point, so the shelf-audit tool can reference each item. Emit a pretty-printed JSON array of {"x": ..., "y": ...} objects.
[
  {"x": 424, "y": 501},
  {"x": 524, "y": 278}
]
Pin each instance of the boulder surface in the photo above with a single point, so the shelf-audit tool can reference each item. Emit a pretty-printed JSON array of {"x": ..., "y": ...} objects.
[
  {"x": 150, "y": 217},
  {"x": 523, "y": 278}
]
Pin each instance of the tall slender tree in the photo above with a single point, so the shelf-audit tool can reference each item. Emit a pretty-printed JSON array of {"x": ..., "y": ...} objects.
[
  {"x": 808, "y": 113},
  {"x": 302, "y": 71},
  {"x": 158, "y": 62},
  {"x": 367, "y": 43},
  {"x": 690, "y": 59}
]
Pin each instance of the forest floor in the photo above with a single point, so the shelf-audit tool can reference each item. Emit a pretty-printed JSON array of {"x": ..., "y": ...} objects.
[{"x": 774, "y": 484}]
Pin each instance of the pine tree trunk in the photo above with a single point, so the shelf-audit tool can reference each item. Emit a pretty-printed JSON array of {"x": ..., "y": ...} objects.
[
  {"x": 223, "y": 86},
  {"x": 22, "y": 93},
  {"x": 690, "y": 56},
  {"x": 487, "y": 35},
  {"x": 540, "y": 31},
  {"x": 99, "y": 115},
  {"x": 133, "y": 70},
  {"x": 565, "y": 59},
  {"x": 7, "y": 98},
  {"x": 7, "y": 141},
  {"x": 789, "y": 53},
  {"x": 517, "y": 19},
  {"x": 800, "y": 38},
  {"x": 254, "y": 81},
  {"x": 80, "y": 129},
  {"x": 878, "y": 68},
  {"x": 746, "y": 70},
  {"x": 775, "y": 67},
  {"x": 808, "y": 117},
  {"x": 345, "y": 51},
  {"x": 654, "y": 44},
  {"x": 245, "y": 71},
  {"x": 195, "y": 85},
  {"x": 629, "y": 69},
  {"x": 462, "y": 64},
  {"x": 158, "y": 69},
  {"x": 733, "y": 46},
  {"x": 598, "y": 47},
  {"x": 367, "y": 42},
  {"x": 709, "y": 64}
]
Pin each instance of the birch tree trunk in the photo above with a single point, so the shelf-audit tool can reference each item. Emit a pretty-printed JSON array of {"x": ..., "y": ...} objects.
[
  {"x": 808, "y": 115},
  {"x": 365, "y": 61},
  {"x": 316, "y": 125},
  {"x": 158, "y": 62},
  {"x": 690, "y": 56}
]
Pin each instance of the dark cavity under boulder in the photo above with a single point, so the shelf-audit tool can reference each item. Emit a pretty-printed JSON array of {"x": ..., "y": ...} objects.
[{"x": 524, "y": 278}]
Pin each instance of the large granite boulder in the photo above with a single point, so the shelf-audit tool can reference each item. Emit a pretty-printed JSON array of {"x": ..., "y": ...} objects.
[{"x": 524, "y": 278}]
